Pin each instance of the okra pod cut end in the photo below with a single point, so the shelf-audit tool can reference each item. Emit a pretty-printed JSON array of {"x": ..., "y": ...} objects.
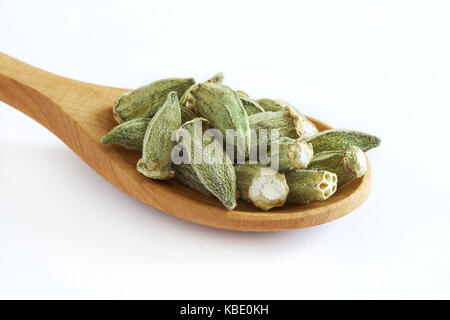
[
  {"x": 300, "y": 154},
  {"x": 153, "y": 171},
  {"x": 310, "y": 185},
  {"x": 263, "y": 186},
  {"x": 268, "y": 190}
]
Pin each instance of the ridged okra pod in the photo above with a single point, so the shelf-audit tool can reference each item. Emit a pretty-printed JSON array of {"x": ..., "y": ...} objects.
[
  {"x": 129, "y": 134},
  {"x": 347, "y": 165},
  {"x": 187, "y": 100},
  {"x": 157, "y": 146},
  {"x": 308, "y": 128},
  {"x": 261, "y": 185},
  {"x": 310, "y": 185},
  {"x": 187, "y": 114},
  {"x": 221, "y": 106},
  {"x": 292, "y": 153},
  {"x": 330, "y": 140},
  {"x": 273, "y": 104},
  {"x": 208, "y": 160},
  {"x": 187, "y": 176},
  {"x": 287, "y": 122},
  {"x": 145, "y": 101},
  {"x": 250, "y": 106}
]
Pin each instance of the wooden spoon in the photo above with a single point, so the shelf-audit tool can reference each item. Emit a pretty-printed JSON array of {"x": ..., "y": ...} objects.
[{"x": 79, "y": 113}]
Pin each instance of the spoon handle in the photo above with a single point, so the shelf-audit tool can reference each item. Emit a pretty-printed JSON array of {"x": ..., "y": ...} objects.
[{"x": 49, "y": 98}]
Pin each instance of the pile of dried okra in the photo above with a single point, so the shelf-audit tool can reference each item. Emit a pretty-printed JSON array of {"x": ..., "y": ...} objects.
[{"x": 304, "y": 165}]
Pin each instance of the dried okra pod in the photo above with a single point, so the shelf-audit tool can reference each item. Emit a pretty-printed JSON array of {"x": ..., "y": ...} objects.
[
  {"x": 210, "y": 163},
  {"x": 221, "y": 106},
  {"x": 250, "y": 106},
  {"x": 145, "y": 101},
  {"x": 187, "y": 115},
  {"x": 330, "y": 140},
  {"x": 242, "y": 93},
  {"x": 263, "y": 186},
  {"x": 309, "y": 129},
  {"x": 129, "y": 134},
  {"x": 187, "y": 176},
  {"x": 287, "y": 121},
  {"x": 157, "y": 146},
  {"x": 273, "y": 104},
  {"x": 292, "y": 153},
  {"x": 187, "y": 100},
  {"x": 347, "y": 165},
  {"x": 310, "y": 185},
  {"x": 217, "y": 78}
]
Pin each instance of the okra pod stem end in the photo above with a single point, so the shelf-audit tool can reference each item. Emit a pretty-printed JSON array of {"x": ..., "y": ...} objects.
[{"x": 153, "y": 171}]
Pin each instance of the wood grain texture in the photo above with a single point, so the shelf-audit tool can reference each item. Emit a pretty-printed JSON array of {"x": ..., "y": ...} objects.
[{"x": 80, "y": 114}]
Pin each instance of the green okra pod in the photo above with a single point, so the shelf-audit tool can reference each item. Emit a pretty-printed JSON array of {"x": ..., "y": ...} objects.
[
  {"x": 207, "y": 159},
  {"x": 129, "y": 134},
  {"x": 310, "y": 185},
  {"x": 273, "y": 104},
  {"x": 250, "y": 106},
  {"x": 187, "y": 176},
  {"x": 291, "y": 153},
  {"x": 217, "y": 78},
  {"x": 188, "y": 101},
  {"x": 330, "y": 140},
  {"x": 157, "y": 146},
  {"x": 187, "y": 115},
  {"x": 287, "y": 122},
  {"x": 145, "y": 101},
  {"x": 261, "y": 185},
  {"x": 347, "y": 165},
  {"x": 308, "y": 128},
  {"x": 221, "y": 106}
]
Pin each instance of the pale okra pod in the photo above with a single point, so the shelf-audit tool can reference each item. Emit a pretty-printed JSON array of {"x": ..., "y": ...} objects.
[
  {"x": 157, "y": 146},
  {"x": 308, "y": 128},
  {"x": 221, "y": 106},
  {"x": 250, "y": 106},
  {"x": 292, "y": 153},
  {"x": 187, "y": 114},
  {"x": 187, "y": 100},
  {"x": 287, "y": 122},
  {"x": 145, "y": 101},
  {"x": 330, "y": 140},
  {"x": 187, "y": 176},
  {"x": 210, "y": 163},
  {"x": 347, "y": 165},
  {"x": 129, "y": 134},
  {"x": 310, "y": 185},
  {"x": 261, "y": 185}
]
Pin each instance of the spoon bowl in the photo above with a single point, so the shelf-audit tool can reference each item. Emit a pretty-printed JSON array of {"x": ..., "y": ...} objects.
[{"x": 80, "y": 113}]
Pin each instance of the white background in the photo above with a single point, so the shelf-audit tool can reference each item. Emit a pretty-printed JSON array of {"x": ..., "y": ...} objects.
[{"x": 377, "y": 66}]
